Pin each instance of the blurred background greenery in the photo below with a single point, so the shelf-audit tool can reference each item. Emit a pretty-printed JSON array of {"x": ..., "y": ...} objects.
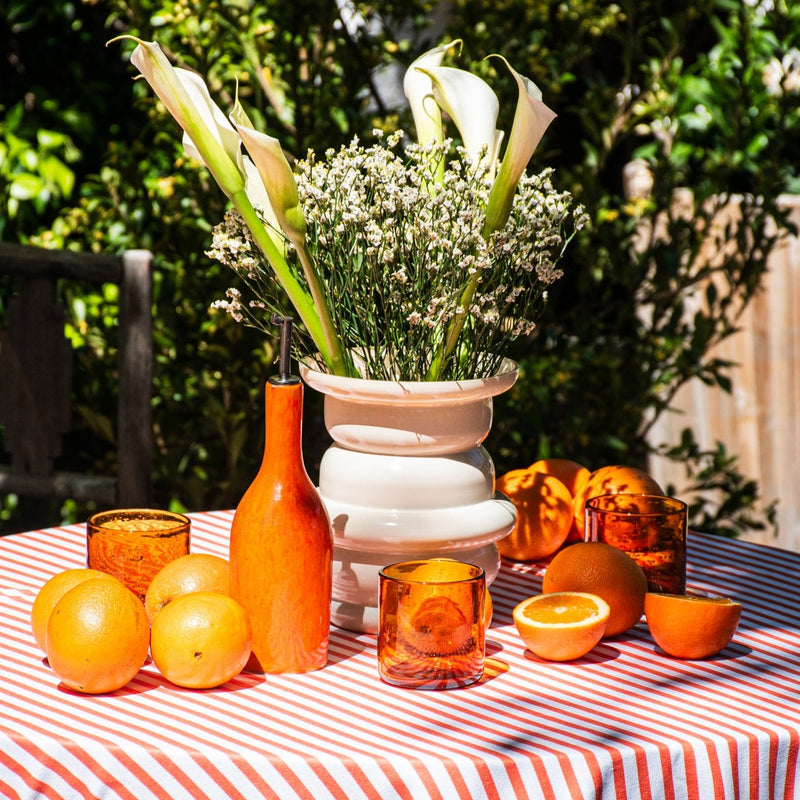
[{"x": 702, "y": 93}]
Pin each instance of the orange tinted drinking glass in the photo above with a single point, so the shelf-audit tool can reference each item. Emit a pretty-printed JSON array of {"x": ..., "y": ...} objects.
[
  {"x": 431, "y": 624},
  {"x": 133, "y": 544},
  {"x": 651, "y": 529}
]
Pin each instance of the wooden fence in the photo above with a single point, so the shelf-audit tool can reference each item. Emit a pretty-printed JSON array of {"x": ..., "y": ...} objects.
[{"x": 759, "y": 421}]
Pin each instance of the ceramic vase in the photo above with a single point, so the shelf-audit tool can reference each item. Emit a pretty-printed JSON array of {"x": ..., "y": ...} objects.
[{"x": 407, "y": 477}]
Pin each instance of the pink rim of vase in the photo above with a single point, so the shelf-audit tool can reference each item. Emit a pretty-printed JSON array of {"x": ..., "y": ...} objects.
[{"x": 411, "y": 391}]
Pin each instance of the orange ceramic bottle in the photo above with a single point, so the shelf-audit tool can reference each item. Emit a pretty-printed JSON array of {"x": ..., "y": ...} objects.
[{"x": 281, "y": 544}]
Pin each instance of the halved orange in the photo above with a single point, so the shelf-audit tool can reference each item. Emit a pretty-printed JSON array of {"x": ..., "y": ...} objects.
[
  {"x": 691, "y": 626},
  {"x": 599, "y": 568},
  {"x": 562, "y": 626}
]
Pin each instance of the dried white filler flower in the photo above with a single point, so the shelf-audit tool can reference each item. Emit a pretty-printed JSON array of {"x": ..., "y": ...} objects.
[{"x": 395, "y": 249}]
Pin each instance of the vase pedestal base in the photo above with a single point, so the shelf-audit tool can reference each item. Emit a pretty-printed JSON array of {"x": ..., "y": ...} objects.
[{"x": 355, "y": 580}]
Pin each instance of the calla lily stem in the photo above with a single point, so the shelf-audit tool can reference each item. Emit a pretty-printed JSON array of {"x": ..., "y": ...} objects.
[{"x": 308, "y": 311}]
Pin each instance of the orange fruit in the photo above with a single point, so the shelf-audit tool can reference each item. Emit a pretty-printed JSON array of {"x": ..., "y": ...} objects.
[
  {"x": 544, "y": 514},
  {"x": 488, "y": 609},
  {"x": 195, "y": 572},
  {"x": 562, "y": 626},
  {"x": 572, "y": 474},
  {"x": 201, "y": 640},
  {"x": 52, "y": 591},
  {"x": 439, "y": 625},
  {"x": 690, "y": 626},
  {"x": 613, "y": 479},
  {"x": 97, "y": 636},
  {"x": 599, "y": 568}
]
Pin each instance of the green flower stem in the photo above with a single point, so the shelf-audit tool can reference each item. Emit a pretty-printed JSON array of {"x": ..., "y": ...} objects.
[
  {"x": 337, "y": 361},
  {"x": 302, "y": 301},
  {"x": 453, "y": 330}
]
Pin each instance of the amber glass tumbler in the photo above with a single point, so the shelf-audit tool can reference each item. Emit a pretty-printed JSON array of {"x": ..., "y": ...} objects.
[
  {"x": 431, "y": 624},
  {"x": 133, "y": 544},
  {"x": 651, "y": 529}
]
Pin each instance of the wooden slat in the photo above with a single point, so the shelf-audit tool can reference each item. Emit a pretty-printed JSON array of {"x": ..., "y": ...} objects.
[
  {"x": 135, "y": 415},
  {"x": 38, "y": 262},
  {"x": 35, "y": 361},
  {"x": 61, "y": 485}
]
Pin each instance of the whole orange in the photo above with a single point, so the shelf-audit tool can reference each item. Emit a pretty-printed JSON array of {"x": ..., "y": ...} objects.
[
  {"x": 690, "y": 626},
  {"x": 488, "y": 609},
  {"x": 544, "y": 514},
  {"x": 574, "y": 476},
  {"x": 614, "y": 479},
  {"x": 201, "y": 640},
  {"x": 599, "y": 568},
  {"x": 195, "y": 572},
  {"x": 52, "y": 591},
  {"x": 97, "y": 636},
  {"x": 562, "y": 626}
]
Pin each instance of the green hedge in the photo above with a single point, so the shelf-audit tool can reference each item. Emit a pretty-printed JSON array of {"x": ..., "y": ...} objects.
[{"x": 88, "y": 160}]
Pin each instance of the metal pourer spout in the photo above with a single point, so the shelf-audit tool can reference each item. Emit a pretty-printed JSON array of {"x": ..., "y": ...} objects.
[{"x": 285, "y": 353}]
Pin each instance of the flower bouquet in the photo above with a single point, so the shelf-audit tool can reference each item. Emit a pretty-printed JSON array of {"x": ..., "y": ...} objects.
[{"x": 402, "y": 260}]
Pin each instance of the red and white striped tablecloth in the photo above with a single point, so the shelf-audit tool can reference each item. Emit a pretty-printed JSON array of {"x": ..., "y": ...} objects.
[{"x": 623, "y": 722}]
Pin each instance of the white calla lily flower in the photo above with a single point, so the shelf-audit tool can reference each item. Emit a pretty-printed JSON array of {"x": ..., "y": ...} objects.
[
  {"x": 472, "y": 105},
  {"x": 210, "y": 114},
  {"x": 213, "y": 148},
  {"x": 284, "y": 199},
  {"x": 275, "y": 173},
  {"x": 213, "y": 140},
  {"x": 418, "y": 89},
  {"x": 217, "y": 123},
  {"x": 531, "y": 119},
  {"x": 258, "y": 196}
]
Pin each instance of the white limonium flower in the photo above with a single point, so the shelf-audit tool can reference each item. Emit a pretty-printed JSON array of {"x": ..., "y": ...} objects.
[{"x": 396, "y": 309}]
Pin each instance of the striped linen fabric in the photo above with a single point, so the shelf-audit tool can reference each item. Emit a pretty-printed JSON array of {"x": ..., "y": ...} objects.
[{"x": 623, "y": 722}]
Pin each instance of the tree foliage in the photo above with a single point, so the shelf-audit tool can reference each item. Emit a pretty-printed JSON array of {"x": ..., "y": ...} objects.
[{"x": 684, "y": 90}]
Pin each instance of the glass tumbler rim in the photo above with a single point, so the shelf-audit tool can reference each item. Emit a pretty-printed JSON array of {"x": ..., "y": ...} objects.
[
  {"x": 476, "y": 573},
  {"x": 671, "y": 505},
  {"x": 97, "y": 519}
]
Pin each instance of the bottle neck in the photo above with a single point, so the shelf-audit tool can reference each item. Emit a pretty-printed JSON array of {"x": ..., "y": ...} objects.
[{"x": 283, "y": 429}]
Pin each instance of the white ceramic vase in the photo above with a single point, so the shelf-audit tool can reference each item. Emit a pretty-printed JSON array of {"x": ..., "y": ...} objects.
[{"x": 407, "y": 477}]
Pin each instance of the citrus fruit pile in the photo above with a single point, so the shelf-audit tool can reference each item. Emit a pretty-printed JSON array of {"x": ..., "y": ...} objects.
[
  {"x": 550, "y": 499},
  {"x": 97, "y": 634},
  {"x": 592, "y": 591},
  {"x": 603, "y": 570}
]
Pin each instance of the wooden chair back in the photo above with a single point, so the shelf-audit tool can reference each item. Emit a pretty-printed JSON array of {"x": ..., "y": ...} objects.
[{"x": 36, "y": 379}]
